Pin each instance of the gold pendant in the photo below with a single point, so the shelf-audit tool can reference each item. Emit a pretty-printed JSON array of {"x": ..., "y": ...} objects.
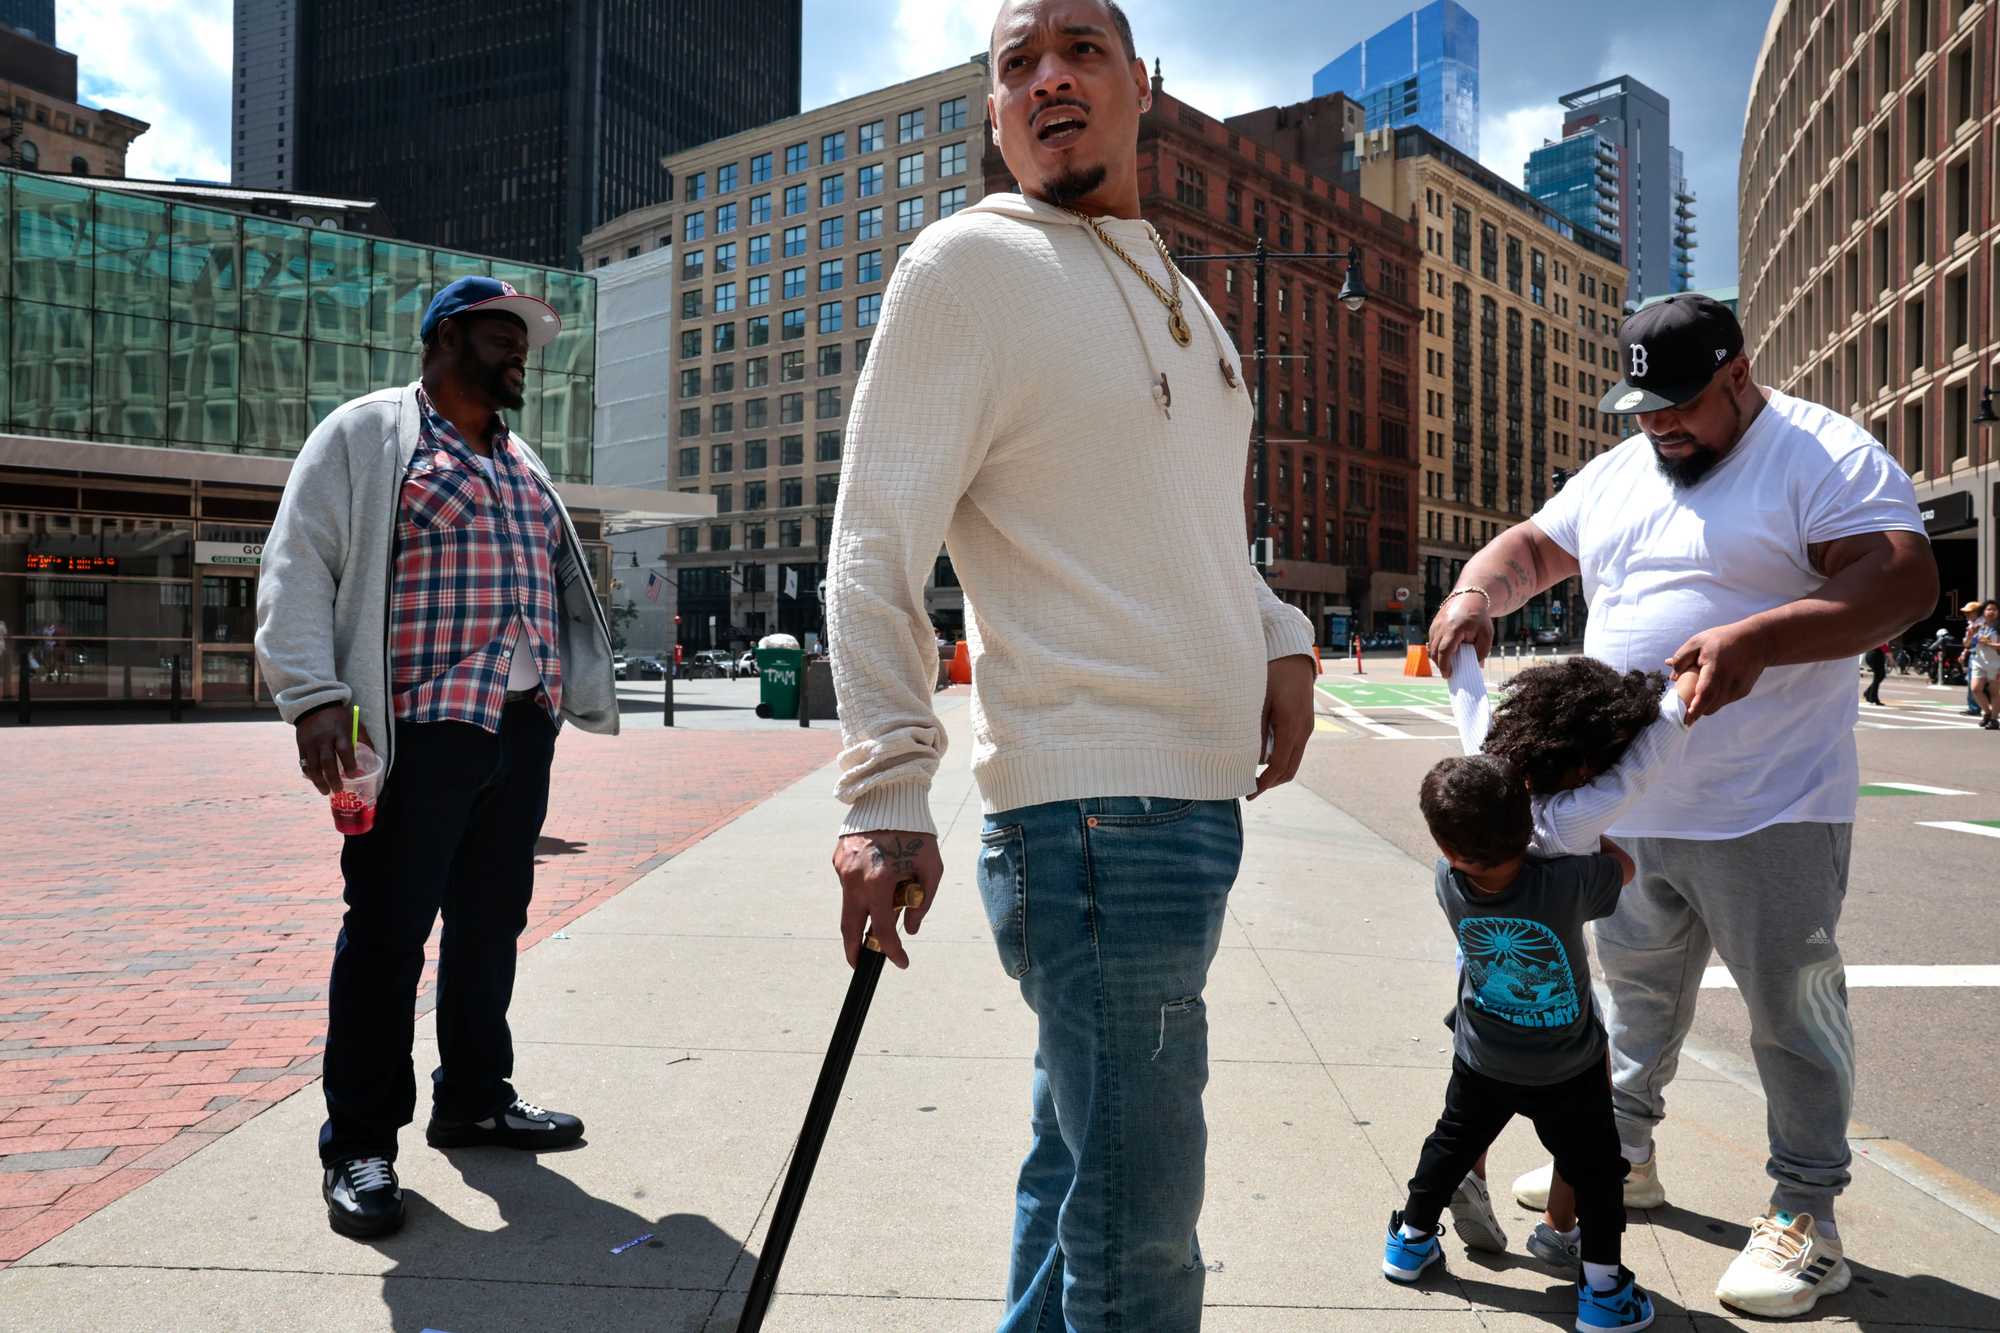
[{"x": 1178, "y": 326}]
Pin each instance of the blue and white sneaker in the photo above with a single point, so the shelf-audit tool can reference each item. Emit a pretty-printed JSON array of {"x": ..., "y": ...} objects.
[
  {"x": 1404, "y": 1260},
  {"x": 1624, "y": 1308}
]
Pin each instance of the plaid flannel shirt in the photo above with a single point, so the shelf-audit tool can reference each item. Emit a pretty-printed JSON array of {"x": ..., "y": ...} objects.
[{"x": 473, "y": 557}]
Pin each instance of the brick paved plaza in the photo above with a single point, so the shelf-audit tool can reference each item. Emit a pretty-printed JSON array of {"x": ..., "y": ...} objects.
[{"x": 169, "y": 903}]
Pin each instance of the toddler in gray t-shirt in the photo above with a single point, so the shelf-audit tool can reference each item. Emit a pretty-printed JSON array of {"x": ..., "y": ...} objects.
[{"x": 1528, "y": 1039}]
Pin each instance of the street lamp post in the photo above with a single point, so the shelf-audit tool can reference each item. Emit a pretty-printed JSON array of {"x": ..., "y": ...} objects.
[{"x": 1352, "y": 295}]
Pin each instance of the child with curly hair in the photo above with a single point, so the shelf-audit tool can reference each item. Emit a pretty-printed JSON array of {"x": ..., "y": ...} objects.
[
  {"x": 1527, "y": 1039},
  {"x": 1584, "y": 741}
]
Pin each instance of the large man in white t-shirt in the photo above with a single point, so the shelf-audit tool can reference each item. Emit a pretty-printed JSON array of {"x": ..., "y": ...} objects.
[{"x": 1763, "y": 542}]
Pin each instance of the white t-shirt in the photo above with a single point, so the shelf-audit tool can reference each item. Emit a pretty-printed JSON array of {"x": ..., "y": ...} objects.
[
  {"x": 522, "y": 671},
  {"x": 1662, "y": 564}
]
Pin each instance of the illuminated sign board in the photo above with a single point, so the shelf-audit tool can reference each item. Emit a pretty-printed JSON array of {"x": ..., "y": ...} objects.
[{"x": 40, "y": 563}]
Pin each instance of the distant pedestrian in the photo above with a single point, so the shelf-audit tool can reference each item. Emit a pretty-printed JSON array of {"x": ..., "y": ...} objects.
[
  {"x": 1132, "y": 670},
  {"x": 423, "y": 568},
  {"x": 1877, "y": 661},
  {"x": 1982, "y": 663},
  {"x": 1763, "y": 542}
]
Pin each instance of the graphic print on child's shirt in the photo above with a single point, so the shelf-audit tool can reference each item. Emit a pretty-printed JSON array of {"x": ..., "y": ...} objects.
[{"x": 1518, "y": 971}]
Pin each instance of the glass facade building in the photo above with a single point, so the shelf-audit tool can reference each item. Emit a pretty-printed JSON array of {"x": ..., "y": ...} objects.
[
  {"x": 1640, "y": 195},
  {"x": 218, "y": 340},
  {"x": 1579, "y": 179},
  {"x": 1423, "y": 69},
  {"x": 135, "y": 321}
]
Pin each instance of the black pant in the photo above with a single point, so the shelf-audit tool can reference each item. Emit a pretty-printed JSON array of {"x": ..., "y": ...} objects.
[
  {"x": 455, "y": 829},
  {"x": 1878, "y": 664},
  {"x": 1573, "y": 1121}
]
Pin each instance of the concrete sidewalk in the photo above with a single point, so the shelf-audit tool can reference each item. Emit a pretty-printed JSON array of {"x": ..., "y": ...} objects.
[{"x": 684, "y": 1019}]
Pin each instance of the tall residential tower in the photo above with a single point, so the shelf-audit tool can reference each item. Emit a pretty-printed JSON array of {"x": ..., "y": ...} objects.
[{"x": 1615, "y": 172}]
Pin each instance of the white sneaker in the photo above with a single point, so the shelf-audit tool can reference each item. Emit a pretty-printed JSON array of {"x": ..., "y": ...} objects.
[
  {"x": 1787, "y": 1266},
  {"x": 1473, "y": 1219},
  {"x": 1554, "y": 1249},
  {"x": 1642, "y": 1186}
]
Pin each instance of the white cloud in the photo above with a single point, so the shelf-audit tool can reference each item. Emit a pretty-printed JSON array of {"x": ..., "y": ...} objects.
[
  {"x": 166, "y": 62},
  {"x": 1506, "y": 139}
]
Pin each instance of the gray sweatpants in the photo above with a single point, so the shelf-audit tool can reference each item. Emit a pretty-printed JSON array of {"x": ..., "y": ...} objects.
[{"x": 1769, "y": 903}]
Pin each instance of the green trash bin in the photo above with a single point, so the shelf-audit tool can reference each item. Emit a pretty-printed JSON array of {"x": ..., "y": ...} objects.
[{"x": 781, "y": 672}]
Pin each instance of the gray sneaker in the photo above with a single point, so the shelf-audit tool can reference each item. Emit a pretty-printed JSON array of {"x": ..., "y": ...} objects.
[
  {"x": 1473, "y": 1219},
  {"x": 1548, "y": 1245}
]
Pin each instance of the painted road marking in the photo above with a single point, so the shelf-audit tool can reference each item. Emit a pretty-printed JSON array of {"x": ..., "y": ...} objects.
[
  {"x": 1328, "y": 724},
  {"x": 1983, "y": 827},
  {"x": 1908, "y": 789},
  {"x": 1377, "y": 729},
  {"x": 1888, "y": 975}
]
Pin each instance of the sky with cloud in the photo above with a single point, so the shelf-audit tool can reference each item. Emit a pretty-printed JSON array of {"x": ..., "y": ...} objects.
[{"x": 167, "y": 62}]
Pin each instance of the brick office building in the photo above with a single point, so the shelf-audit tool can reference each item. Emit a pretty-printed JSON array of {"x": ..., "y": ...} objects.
[
  {"x": 1343, "y": 506},
  {"x": 1870, "y": 244}
]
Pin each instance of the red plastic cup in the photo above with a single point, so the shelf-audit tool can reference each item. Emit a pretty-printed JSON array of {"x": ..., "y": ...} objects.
[{"x": 354, "y": 804}]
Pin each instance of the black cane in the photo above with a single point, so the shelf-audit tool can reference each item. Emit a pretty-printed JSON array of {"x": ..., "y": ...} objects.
[{"x": 819, "y": 1117}]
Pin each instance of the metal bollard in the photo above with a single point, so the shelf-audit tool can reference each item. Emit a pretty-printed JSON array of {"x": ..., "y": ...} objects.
[
  {"x": 668, "y": 710},
  {"x": 174, "y": 688},
  {"x": 25, "y": 712},
  {"x": 805, "y": 695}
]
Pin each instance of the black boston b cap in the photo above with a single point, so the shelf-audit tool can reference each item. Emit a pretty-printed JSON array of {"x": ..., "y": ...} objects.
[{"x": 1671, "y": 350}]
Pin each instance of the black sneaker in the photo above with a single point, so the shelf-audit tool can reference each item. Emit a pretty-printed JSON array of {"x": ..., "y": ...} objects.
[
  {"x": 521, "y": 1125},
  {"x": 362, "y": 1197}
]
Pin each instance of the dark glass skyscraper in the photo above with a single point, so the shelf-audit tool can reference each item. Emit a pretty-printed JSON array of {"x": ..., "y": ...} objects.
[
  {"x": 37, "y": 18},
  {"x": 512, "y": 127}
]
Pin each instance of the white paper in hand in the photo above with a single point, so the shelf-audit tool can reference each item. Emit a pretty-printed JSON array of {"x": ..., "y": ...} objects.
[{"x": 1470, "y": 707}]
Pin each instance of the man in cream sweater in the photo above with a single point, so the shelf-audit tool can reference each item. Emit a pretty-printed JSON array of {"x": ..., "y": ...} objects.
[{"x": 1047, "y": 394}]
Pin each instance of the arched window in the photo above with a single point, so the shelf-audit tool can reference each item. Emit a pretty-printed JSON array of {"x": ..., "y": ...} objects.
[
  {"x": 31, "y": 156},
  {"x": 78, "y": 167}
]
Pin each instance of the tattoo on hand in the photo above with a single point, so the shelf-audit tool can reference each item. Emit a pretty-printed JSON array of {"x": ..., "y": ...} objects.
[{"x": 899, "y": 857}]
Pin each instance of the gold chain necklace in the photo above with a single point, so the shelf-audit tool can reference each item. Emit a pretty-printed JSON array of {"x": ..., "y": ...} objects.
[{"x": 1177, "y": 323}]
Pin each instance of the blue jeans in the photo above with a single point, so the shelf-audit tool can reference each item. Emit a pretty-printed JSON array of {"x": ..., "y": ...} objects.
[{"x": 1108, "y": 912}]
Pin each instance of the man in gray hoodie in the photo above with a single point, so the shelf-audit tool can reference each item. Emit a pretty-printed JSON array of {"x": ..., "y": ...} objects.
[{"x": 423, "y": 572}]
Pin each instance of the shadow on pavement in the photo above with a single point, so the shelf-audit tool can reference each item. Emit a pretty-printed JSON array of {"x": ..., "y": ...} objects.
[
  {"x": 549, "y": 1266},
  {"x": 546, "y": 846}
]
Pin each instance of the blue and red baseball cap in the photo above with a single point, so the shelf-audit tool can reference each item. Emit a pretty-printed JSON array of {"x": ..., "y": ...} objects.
[{"x": 486, "y": 296}]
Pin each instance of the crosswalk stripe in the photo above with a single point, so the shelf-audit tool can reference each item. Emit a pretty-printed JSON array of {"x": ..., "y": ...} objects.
[
  {"x": 1961, "y": 826},
  {"x": 1916, "y": 787},
  {"x": 1890, "y": 976}
]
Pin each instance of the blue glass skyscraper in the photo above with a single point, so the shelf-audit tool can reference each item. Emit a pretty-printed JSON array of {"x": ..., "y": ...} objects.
[{"x": 1423, "y": 69}]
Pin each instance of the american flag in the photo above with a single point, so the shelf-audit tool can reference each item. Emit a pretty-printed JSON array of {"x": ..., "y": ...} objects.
[{"x": 652, "y": 586}]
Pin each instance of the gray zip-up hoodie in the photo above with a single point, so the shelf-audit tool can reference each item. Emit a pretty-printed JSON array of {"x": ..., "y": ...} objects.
[{"x": 323, "y": 597}]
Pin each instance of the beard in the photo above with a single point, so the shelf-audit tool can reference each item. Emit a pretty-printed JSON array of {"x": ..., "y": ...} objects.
[
  {"x": 492, "y": 381},
  {"x": 1073, "y": 186},
  {"x": 1685, "y": 472}
]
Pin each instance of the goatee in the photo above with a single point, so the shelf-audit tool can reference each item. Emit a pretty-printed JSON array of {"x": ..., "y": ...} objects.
[
  {"x": 1073, "y": 186},
  {"x": 503, "y": 391},
  {"x": 1685, "y": 472}
]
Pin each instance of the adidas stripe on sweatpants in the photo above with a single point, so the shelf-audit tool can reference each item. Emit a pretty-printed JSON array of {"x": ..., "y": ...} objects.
[{"x": 1769, "y": 902}]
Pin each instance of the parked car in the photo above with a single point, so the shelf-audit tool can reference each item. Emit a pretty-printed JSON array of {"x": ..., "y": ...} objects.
[
  {"x": 746, "y": 665},
  {"x": 648, "y": 668},
  {"x": 1549, "y": 636},
  {"x": 709, "y": 663},
  {"x": 619, "y": 666}
]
